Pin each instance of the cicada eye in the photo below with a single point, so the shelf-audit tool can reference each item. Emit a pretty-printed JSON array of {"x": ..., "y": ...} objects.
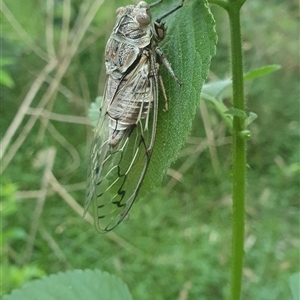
[
  {"x": 143, "y": 18},
  {"x": 119, "y": 10}
]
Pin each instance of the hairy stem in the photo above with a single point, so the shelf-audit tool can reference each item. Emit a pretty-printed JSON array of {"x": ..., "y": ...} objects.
[{"x": 238, "y": 151}]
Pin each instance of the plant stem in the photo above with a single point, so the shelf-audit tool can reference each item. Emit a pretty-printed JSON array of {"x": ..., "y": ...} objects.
[
  {"x": 238, "y": 151},
  {"x": 221, "y": 3}
]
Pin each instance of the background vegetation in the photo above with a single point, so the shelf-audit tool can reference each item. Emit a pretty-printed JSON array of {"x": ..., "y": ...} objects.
[{"x": 176, "y": 243}]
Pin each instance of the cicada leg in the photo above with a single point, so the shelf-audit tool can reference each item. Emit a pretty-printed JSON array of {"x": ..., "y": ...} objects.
[
  {"x": 161, "y": 82},
  {"x": 164, "y": 60}
]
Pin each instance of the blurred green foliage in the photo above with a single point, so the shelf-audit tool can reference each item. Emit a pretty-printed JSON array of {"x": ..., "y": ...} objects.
[{"x": 177, "y": 239}]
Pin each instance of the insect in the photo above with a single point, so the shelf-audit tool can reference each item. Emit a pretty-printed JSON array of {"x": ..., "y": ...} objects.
[{"x": 125, "y": 133}]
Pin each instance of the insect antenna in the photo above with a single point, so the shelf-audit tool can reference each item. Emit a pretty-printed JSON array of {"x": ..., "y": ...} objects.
[
  {"x": 155, "y": 3},
  {"x": 158, "y": 20}
]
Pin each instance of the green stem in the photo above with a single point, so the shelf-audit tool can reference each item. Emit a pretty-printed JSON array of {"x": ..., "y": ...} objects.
[
  {"x": 238, "y": 151},
  {"x": 221, "y": 3}
]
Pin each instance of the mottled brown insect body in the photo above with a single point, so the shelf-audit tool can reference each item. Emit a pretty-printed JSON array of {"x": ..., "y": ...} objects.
[
  {"x": 125, "y": 133},
  {"x": 129, "y": 51}
]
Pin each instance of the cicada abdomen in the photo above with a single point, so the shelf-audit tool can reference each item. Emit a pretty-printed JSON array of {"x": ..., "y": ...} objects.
[{"x": 125, "y": 134}]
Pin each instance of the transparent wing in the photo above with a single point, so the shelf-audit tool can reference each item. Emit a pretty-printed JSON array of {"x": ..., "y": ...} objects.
[
  {"x": 98, "y": 153},
  {"x": 116, "y": 173}
]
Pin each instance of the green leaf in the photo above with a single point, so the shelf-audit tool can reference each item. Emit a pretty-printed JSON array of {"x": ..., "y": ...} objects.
[
  {"x": 295, "y": 285},
  {"x": 213, "y": 93},
  {"x": 215, "y": 90},
  {"x": 74, "y": 285},
  {"x": 6, "y": 80},
  {"x": 189, "y": 45},
  {"x": 252, "y": 116},
  {"x": 236, "y": 112},
  {"x": 262, "y": 71}
]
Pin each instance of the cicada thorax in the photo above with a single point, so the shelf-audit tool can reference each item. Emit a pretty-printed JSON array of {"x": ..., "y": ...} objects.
[{"x": 130, "y": 35}]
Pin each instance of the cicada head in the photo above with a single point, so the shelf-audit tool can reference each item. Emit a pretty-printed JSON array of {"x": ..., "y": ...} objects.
[
  {"x": 143, "y": 14},
  {"x": 140, "y": 13}
]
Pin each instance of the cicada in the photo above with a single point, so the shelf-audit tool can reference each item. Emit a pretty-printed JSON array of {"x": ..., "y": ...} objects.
[{"x": 125, "y": 133}]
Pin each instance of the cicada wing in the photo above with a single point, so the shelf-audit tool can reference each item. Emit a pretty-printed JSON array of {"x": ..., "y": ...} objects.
[
  {"x": 123, "y": 169},
  {"x": 98, "y": 154},
  {"x": 124, "y": 172}
]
